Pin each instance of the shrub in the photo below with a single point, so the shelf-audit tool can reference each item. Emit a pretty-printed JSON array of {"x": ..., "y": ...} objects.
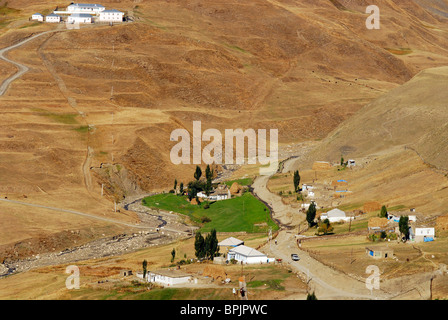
[
  {"x": 205, "y": 219},
  {"x": 392, "y": 236}
]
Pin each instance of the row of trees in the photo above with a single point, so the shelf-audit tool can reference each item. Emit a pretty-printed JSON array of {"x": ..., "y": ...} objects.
[{"x": 206, "y": 248}]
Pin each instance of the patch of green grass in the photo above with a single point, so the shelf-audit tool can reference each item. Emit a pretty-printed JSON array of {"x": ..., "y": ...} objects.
[
  {"x": 232, "y": 215},
  {"x": 396, "y": 208},
  {"x": 273, "y": 284},
  {"x": 82, "y": 129},
  {"x": 65, "y": 118},
  {"x": 350, "y": 206},
  {"x": 241, "y": 182},
  {"x": 355, "y": 226},
  {"x": 235, "y": 48}
]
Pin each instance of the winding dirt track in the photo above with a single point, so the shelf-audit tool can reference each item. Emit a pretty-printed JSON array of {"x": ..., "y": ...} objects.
[{"x": 22, "y": 69}]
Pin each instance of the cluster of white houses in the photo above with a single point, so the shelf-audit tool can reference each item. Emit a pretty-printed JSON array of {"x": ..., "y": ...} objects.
[{"x": 82, "y": 13}]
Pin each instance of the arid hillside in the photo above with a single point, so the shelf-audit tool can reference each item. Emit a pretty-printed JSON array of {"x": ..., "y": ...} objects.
[
  {"x": 413, "y": 116},
  {"x": 303, "y": 68}
]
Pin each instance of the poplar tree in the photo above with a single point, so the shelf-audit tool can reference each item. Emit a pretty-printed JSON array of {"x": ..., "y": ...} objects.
[{"x": 296, "y": 181}]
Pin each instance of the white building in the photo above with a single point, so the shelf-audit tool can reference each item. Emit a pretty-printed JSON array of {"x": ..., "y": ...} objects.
[
  {"x": 53, "y": 18},
  {"x": 80, "y": 18},
  {"x": 94, "y": 9},
  {"x": 351, "y": 163},
  {"x": 424, "y": 234},
  {"x": 335, "y": 215},
  {"x": 202, "y": 195},
  {"x": 111, "y": 16},
  {"x": 248, "y": 255},
  {"x": 218, "y": 195},
  {"x": 169, "y": 277},
  {"x": 306, "y": 187},
  {"x": 37, "y": 16}
]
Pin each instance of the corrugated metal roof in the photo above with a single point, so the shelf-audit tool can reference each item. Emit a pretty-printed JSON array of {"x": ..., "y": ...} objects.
[
  {"x": 336, "y": 213},
  {"x": 231, "y": 242},
  {"x": 86, "y": 5}
]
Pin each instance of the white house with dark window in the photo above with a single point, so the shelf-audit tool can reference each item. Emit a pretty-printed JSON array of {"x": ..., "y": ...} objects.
[
  {"x": 111, "y": 16},
  {"x": 83, "y": 18},
  {"x": 94, "y": 9},
  {"x": 37, "y": 17},
  {"x": 53, "y": 18}
]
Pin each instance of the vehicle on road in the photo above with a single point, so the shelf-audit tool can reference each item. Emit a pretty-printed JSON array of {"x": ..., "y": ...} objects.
[{"x": 295, "y": 257}]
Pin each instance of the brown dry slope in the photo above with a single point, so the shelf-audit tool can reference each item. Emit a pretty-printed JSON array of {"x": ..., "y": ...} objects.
[
  {"x": 413, "y": 115},
  {"x": 300, "y": 66},
  {"x": 303, "y": 68}
]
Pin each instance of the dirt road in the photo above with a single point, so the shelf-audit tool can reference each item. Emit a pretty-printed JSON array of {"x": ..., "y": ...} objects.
[
  {"x": 22, "y": 69},
  {"x": 96, "y": 217},
  {"x": 324, "y": 281}
]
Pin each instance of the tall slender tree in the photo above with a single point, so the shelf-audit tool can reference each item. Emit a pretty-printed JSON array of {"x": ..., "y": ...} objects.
[
  {"x": 296, "y": 181},
  {"x": 403, "y": 226},
  {"x": 144, "y": 266},
  {"x": 181, "y": 188},
  {"x": 383, "y": 213},
  {"x": 199, "y": 245},
  {"x": 311, "y": 214},
  {"x": 198, "y": 173},
  {"x": 211, "y": 245}
]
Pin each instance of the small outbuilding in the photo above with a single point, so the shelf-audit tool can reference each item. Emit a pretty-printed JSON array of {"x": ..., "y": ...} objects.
[
  {"x": 37, "y": 17},
  {"x": 423, "y": 235},
  {"x": 125, "y": 273},
  {"x": 380, "y": 252}
]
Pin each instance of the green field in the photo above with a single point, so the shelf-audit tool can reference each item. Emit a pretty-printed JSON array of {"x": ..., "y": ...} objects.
[
  {"x": 241, "y": 182},
  {"x": 245, "y": 213}
]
